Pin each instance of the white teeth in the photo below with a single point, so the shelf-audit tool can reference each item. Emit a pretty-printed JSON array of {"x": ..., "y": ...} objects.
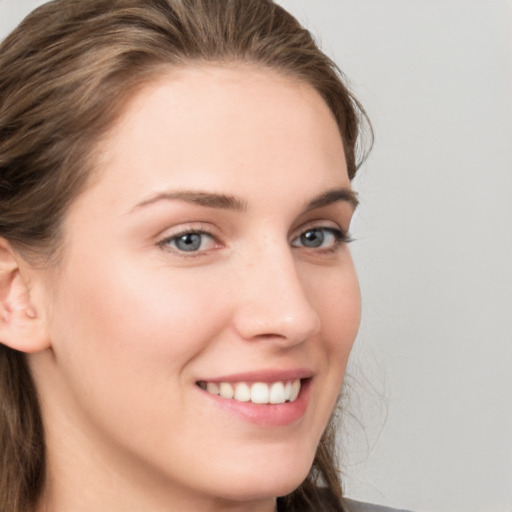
[
  {"x": 294, "y": 392},
  {"x": 287, "y": 390},
  {"x": 242, "y": 392},
  {"x": 226, "y": 390},
  {"x": 277, "y": 393},
  {"x": 258, "y": 393}
]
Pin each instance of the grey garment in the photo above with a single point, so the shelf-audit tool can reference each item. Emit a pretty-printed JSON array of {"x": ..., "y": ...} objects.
[{"x": 358, "y": 506}]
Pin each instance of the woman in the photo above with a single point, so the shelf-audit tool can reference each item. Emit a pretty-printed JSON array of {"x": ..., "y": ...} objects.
[{"x": 178, "y": 301}]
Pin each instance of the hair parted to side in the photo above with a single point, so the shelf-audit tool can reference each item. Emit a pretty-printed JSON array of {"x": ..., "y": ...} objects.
[{"x": 66, "y": 73}]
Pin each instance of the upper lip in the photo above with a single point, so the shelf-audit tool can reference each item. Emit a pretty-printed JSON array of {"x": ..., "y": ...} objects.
[{"x": 268, "y": 375}]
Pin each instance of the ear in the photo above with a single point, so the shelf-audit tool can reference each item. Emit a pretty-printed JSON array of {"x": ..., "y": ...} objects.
[{"x": 22, "y": 326}]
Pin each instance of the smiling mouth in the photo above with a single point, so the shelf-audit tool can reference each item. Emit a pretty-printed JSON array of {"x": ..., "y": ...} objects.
[{"x": 261, "y": 393}]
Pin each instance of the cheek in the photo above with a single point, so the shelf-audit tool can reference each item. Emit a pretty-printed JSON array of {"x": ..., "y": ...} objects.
[
  {"x": 337, "y": 299},
  {"x": 342, "y": 317},
  {"x": 130, "y": 305},
  {"x": 124, "y": 335}
]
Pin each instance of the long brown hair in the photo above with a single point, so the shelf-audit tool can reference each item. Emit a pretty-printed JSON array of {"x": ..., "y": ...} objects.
[{"x": 65, "y": 74}]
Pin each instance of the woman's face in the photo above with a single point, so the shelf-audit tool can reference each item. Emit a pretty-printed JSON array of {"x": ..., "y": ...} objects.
[{"x": 210, "y": 252}]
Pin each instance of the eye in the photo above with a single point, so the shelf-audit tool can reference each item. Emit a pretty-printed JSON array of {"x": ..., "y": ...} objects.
[
  {"x": 189, "y": 241},
  {"x": 320, "y": 238}
]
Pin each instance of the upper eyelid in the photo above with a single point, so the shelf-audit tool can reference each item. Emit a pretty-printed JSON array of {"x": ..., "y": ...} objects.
[
  {"x": 317, "y": 224},
  {"x": 208, "y": 229},
  {"x": 186, "y": 232},
  {"x": 192, "y": 227},
  {"x": 337, "y": 231}
]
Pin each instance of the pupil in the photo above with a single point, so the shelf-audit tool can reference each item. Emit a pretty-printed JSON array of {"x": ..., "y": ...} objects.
[
  {"x": 312, "y": 238},
  {"x": 189, "y": 242}
]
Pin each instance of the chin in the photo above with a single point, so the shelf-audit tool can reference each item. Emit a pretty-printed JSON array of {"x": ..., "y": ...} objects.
[
  {"x": 256, "y": 481},
  {"x": 257, "y": 490}
]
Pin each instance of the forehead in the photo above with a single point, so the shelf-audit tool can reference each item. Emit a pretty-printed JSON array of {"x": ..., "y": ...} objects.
[{"x": 225, "y": 126}]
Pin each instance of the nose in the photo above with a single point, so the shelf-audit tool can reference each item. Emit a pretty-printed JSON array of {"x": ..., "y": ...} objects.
[{"x": 272, "y": 302}]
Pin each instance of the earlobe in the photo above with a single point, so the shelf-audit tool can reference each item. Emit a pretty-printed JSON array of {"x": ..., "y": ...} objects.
[{"x": 22, "y": 326}]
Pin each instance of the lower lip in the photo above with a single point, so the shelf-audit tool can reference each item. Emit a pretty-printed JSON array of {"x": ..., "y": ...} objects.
[{"x": 266, "y": 415}]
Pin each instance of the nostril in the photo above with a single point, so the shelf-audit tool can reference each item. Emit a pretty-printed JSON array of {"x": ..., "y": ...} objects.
[{"x": 292, "y": 321}]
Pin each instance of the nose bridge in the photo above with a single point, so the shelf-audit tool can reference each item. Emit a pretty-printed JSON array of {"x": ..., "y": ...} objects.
[{"x": 274, "y": 303}]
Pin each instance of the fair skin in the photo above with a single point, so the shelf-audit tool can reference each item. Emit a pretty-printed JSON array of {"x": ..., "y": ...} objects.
[{"x": 248, "y": 168}]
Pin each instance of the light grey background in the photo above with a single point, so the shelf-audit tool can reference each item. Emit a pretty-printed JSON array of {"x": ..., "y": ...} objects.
[{"x": 429, "y": 421}]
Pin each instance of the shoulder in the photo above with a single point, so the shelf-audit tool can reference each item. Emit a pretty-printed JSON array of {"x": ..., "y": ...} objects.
[{"x": 358, "y": 506}]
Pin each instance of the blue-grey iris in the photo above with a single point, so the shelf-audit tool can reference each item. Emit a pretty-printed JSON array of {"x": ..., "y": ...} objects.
[
  {"x": 188, "y": 242},
  {"x": 312, "y": 238}
]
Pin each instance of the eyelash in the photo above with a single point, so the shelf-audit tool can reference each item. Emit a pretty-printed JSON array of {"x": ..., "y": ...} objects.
[
  {"x": 340, "y": 238},
  {"x": 166, "y": 242}
]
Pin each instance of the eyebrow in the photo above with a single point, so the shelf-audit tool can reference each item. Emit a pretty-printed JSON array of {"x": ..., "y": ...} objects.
[
  {"x": 208, "y": 199},
  {"x": 333, "y": 196},
  {"x": 229, "y": 202}
]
